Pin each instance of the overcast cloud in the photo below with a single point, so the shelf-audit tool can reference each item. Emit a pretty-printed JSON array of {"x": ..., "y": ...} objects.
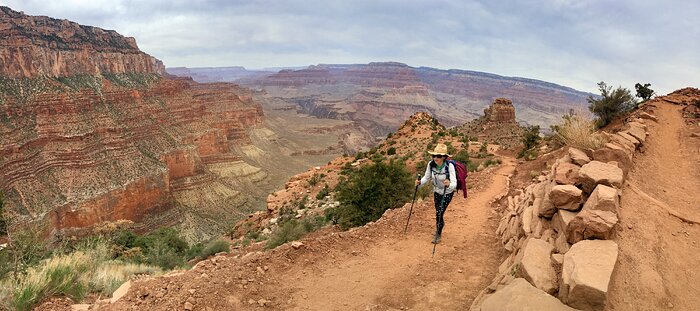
[{"x": 575, "y": 43}]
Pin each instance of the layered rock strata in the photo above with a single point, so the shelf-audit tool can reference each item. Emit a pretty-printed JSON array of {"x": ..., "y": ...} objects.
[
  {"x": 498, "y": 125},
  {"x": 32, "y": 46}
]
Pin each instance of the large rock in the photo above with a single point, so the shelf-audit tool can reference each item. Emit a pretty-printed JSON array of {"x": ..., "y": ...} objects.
[
  {"x": 547, "y": 209},
  {"x": 638, "y": 131},
  {"x": 617, "y": 154},
  {"x": 120, "y": 292},
  {"x": 597, "y": 172},
  {"x": 591, "y": 224},
  {"x": 536, "y": 266},
  {"x": 566, "y": 174},
  {"x": 566, "y": 197},
  {"x": 562, "y": 219},
  {"x": 603, "y": 198},
  {"x": 561, "y": 244},
  {"x": 626, "y": 135},
  {"x": 519, "y": 295},
  {"x": 623, "y": 143},
  {"x": 586, "y": 273},
  {"x": 578, "y": 156}
]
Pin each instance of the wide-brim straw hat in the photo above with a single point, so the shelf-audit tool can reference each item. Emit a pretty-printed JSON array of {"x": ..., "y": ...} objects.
[{"x": 440, "y": 149}]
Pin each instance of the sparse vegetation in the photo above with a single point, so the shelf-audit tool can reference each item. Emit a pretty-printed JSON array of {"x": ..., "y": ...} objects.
[
  {"x": 643, "y": 91},
  {"x": 391, "y": 151},
  {"x": 611, "y": 103},
  {"x": 323, "y": 193},
  {"x": 578, "y": 131},
  {"x": 369, "y": 191},
  {"x": 293, "y": 229},
  {"x": 3, "y": 223},
  {"x": 531, "y": 136},
  {"x": 315, "y": 179}
]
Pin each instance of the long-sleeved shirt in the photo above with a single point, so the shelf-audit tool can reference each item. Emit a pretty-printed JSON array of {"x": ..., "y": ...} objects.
[{"x": 439, "y": 176}]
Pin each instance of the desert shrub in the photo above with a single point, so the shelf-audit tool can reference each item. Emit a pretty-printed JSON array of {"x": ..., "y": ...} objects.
[
  {"x": 643, "y": 91},
  {"x": 26, "y": 248},
  {"x": 611, "y": 103},
  {"x": 578, "y": 131},
  {"x": 89, "y": 268},
  {"x": 315, "y": 179},
  {"x": 462, "y": 156},
  {"x": 293, "y": 230},
  {"x": 531, "y": 136},
  {"x": 323, "y": 193},
  {"x": 425, "y": 191},
  {"x": 371, "y": 190},
  {"x": 391, "y": 151},
  {"x": 214, "y": 247}
]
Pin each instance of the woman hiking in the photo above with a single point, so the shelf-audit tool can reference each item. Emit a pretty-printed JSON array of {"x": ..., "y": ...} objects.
[{"x": 443, "y": 186}]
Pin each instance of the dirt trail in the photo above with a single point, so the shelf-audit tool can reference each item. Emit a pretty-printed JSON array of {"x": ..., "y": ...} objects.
[
  {"x": 398, "y": 273},
  {"x": 375, "y": 267},
  {"x": 659, "y": 266}
]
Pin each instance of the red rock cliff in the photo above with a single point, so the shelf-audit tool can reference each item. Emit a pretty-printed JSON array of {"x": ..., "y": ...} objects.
[{"x": 38, "y": 45}]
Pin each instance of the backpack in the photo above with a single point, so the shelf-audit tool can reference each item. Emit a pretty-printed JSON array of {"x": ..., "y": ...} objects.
[{"x": 462, "y": 174}]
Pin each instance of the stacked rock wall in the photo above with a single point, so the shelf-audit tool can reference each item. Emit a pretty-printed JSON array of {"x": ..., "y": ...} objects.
[{"x": 558, "y": 230}]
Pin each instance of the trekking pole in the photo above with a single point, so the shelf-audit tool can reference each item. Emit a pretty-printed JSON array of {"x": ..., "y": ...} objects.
[
  {"x": 444, "y": 194},
  {"x": 414, "y": 201}
]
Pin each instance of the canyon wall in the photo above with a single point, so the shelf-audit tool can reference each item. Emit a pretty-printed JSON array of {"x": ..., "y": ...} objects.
[
  {"x": 90, "y": 132},
  {"x": 32, "y": 46}
]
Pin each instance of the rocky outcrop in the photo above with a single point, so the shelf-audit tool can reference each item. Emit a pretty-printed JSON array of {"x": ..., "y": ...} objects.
[
  {"x": 583, "y": 257},
  {"x": 498, "y": 125},
  {"x": 501, "y": 110},
  {"x": 32, "y": 46}
]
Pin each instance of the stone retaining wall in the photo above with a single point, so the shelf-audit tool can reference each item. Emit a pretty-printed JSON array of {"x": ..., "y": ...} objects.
[{"x": 558, "y": 230}]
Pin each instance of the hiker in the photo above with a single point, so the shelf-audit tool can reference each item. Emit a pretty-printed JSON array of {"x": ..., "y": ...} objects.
[{"x": 438, "y": 170}]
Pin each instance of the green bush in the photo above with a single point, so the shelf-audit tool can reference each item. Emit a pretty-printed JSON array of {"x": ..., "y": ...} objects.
[
  {"x": 462, "y": 156},
  {"x": 371, "y": 190},
  {"x": 315, "y": 179},
  {"x": 643, "y": 91},
  {"x": 293, "y": 230},
  {"x": 611, "y": 103},
  {"x": 531, "y": 136},
  {"x": 323, "y": 193},
  {"x": 391, "y": 151},
  {"x": 214, "y": 247}
]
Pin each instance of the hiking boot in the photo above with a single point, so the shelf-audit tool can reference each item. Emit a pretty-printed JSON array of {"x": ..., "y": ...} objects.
[{"x": 436, "y": 239}]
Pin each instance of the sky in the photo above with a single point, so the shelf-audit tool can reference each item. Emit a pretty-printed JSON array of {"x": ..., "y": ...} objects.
[{"x": 576, "y": 43}]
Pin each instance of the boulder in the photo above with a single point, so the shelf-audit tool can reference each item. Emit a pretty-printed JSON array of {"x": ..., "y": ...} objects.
[
  {"x": 603, "y": 198},
  {"x": 561, "y": 244},
  {"x": 638, "y": 131},
  {"x": 547, "y": 209},
  {"x": 566, "y": 197},
  {"x": 527, "y": 220},
  {"x": 616, "y": 154},
  {"x": 647, "y": 116},
  {"x": 591, "y": 224},
  {"x": 562, "y": 219},
  {"x": 566, "y": 174},
  {"x": 586, "y": 273},
  {"x": 578, "y": 156},
  {"x": 536, "y": 266},
  {"x": 519, "y": 295},
  {"x": 625, "y": 135},
  {"x": 120, "y": 292},
  {"x": 623, "y": 142},
  {"x": 597, "y": 172}
]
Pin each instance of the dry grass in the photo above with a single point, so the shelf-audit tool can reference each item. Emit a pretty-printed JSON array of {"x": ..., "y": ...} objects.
[
  {"x": 580, "y": 132},
  {"x": 88, "y": 269}
]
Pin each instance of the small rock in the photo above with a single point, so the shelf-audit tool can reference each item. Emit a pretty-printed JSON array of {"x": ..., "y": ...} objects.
[
  {"x": 297, "y": 244},
  {"x": 260, "y": 270},
  {"x": 262, "y": 302},
  {"x": 578, "y": 156},
  {"x": 251, "y": 301},
  {"x": 191, "y": 291},
  {"x": 459, "y": 271},
  {"x": 189, "y": 306}
]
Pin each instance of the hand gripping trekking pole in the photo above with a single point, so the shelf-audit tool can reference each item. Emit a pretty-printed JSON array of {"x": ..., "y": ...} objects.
[
  {"x": 414, "y": 201},
  {"x": 442, "y": 204}
]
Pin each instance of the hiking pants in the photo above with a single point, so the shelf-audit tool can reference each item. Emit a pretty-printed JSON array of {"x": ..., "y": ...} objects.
[{"x": 440, "y": 211}]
